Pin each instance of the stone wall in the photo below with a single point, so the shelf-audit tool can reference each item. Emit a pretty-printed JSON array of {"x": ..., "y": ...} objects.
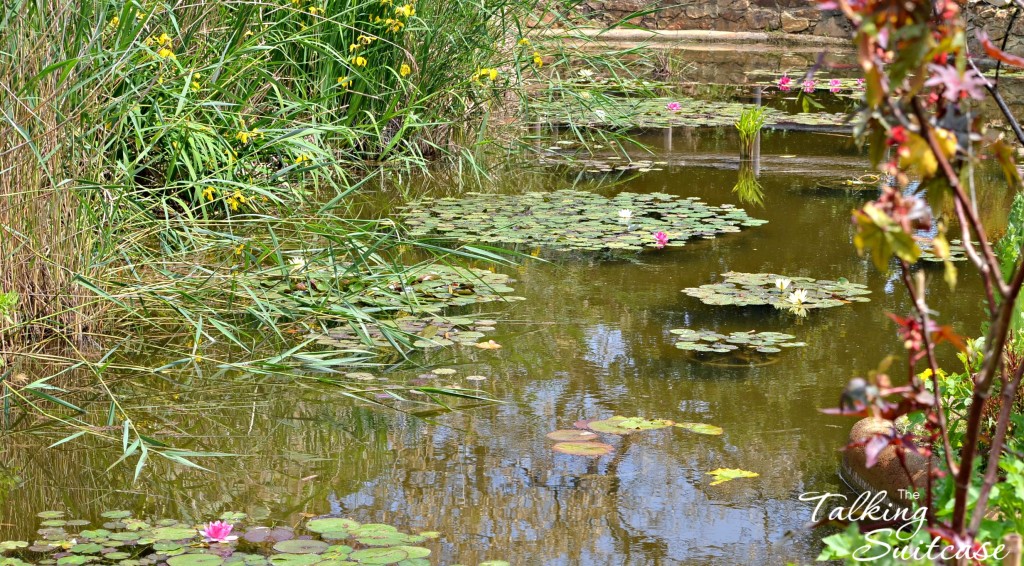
[
  {"x": 783, "y": 16},
  {"x": 787, "y": 16}
]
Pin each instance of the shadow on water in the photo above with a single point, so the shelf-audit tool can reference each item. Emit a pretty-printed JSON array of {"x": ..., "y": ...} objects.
[{"x": 591, "y": 340}]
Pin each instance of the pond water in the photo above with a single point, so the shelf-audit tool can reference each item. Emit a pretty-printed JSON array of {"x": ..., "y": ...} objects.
[{"x": 592, "y": 340}]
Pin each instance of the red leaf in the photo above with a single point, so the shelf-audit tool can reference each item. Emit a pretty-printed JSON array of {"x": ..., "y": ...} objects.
[
  {"x": 998, "y": 54},
  {"x": 874, "y": 447},
  {"x": 946, "y": 333}
]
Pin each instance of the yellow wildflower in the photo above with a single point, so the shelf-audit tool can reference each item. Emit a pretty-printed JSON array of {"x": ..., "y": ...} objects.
[
  {"x": 404, "y": 70},
  {"x": 406, "y": 11},
  {"x": 165, "y": 53},
  {"x": 394, "y": 25},
  {"x": 523, "y": 41},
  {"x": 114, "y": 22},
  {"x": 386, "y": 2},
  {"x": 164, "y": 39},
  {"x": 345, "y": 82},
  {"x": 239, "y": 249},
  {"x": 301, "y": 159},
  {"x": 537, "y": 59},
  {"x": 359, "y": 61},
  {"x": 248, "y": 33},
  {"x": 354, "y": 47},
  {"x": 244, "y": 136},
  {"x": 364, "y": 40},
  {"x": 493, "y": 74},
  {"x": 314, "y": 10},
  {"x": 209, "y": 193}
]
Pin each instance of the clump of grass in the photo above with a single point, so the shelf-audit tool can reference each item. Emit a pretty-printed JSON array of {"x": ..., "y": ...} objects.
[{"x": 749, "y": 125}]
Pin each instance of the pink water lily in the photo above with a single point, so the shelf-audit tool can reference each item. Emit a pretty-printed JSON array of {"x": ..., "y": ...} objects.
[
  {"x": 784, "y": 82},
  {"x": 218, "y": 531},
  {"x": 809, "y": 86},
  {"x": 834, "y": 84},
  {"x": 674, "y": 106},
  {"x": 660, "y": 239}
]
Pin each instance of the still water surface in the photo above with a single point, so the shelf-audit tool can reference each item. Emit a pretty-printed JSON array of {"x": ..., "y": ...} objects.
[{"x": 591, "y": 341}]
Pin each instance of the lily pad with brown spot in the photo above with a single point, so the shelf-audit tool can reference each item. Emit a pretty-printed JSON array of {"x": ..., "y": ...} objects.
[{"x": 589, "y": 449}]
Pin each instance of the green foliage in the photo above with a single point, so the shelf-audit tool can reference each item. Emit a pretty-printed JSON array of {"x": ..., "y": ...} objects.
[
  {"x": 8, "y": 302},
  {"x": 878, "y": 234},
  {"x": 749, "y": 124}
]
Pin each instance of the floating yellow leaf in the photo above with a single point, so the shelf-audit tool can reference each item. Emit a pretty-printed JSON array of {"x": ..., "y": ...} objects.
[{"x": 723, "y": 475}]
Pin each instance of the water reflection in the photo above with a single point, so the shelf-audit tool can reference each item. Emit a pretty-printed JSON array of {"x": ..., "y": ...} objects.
[{"x": 592, "y": 340}]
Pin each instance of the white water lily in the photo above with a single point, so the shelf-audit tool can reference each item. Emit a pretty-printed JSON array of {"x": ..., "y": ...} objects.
[
  {"x": 625, "y": 213},
  {"x": 798, "y": 297},
  {"x": 297, "y": 263},
  {"x": 782, "y": 284}
]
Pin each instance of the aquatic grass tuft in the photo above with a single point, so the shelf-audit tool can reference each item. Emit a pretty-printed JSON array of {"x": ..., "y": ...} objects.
[{"x": 749, "y": 124}]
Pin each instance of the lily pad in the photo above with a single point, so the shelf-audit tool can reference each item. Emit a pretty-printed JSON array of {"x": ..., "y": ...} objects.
[
  {"x": 266, "y": 534},
  {"x": 779, "y": 291},
  {"x": 12, "y": 544},
  {"x": 574, "y": 220},
  {"x": 701, "y": 428},
  {"x": 707, "y": 341},
  {"x": 627, "y": 425},
  {"x": 195, "y": 560},
  {"x": 86, "y": 548},
  {"x": 957, "y": 252},
  {"x": 591, "y": 449},
  {"x": 294, "y": 559},
  {"x": 571, "y": 435},
  {"x": 116, "y": 514},
  {"x": 723, "y": 475},
  {"x": 172, "y": 533},
  {"x": 379, "y": 555},
  {"x": 301, "y": 546},
  {"x": 653, "y": 112},
  {"x": 330, "y": 524}
]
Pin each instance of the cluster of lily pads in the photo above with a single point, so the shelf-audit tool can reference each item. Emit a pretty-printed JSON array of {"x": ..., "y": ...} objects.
[
  {"x": 780, "y": 291},
  {"x": 428, "y": 332},
  {"x": 574, "y": 220},
  {"x": 583, "y": 440},
  {"x": 956, "y": 252},
  {"x": 428, "y": 288},
  {"x": 325, "y": 541},
  {"x": 675, "y": 112},
  {"x": 708, "y": 341}
]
